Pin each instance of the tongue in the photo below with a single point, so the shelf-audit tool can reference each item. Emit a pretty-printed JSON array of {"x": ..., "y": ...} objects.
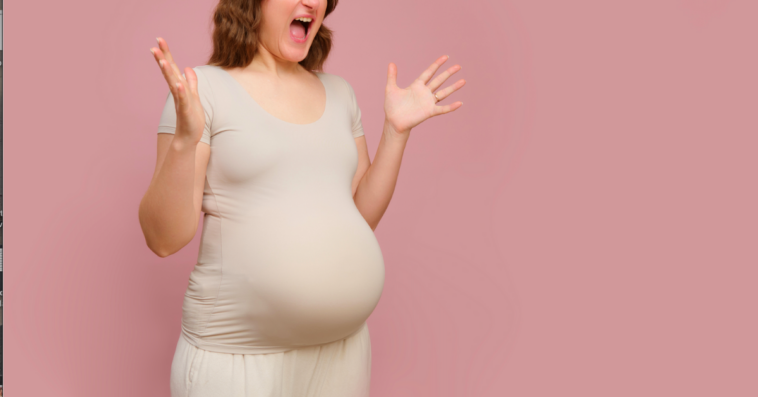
[{"x": 297, "y": 30}]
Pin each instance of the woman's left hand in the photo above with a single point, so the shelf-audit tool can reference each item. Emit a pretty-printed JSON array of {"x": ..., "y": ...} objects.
[{"x": 405, "y": 108}]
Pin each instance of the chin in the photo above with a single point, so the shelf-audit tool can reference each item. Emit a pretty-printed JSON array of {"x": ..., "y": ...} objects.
[{"x": 296, "y": 56}]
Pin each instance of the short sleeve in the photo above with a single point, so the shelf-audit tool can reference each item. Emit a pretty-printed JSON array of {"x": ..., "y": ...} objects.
[
  {"x": 355, "y": 112},
  {"x": 167, "y": 124}
]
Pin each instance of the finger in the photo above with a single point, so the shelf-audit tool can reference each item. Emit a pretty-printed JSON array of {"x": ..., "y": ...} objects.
[
  {"x": 191, "y": 78},
  {"x": 438, "y": 110},
  {"x": 182, "y": 102},
  {"x": 431, "y": 70},
  {"x": 442, "y": 94},
  {"x": 175, "y": 84},
  {"x": 437, "y": 82},
  {"x": 167, "y": 73},
  {"x": 392, "y": 76},
  {"x": 163, "y": 45}
]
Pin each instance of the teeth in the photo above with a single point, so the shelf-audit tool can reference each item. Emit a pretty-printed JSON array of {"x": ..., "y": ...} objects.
[{"x": 304, "y": 19}]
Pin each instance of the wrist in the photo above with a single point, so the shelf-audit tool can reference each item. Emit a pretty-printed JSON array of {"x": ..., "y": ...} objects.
[{"x": 394, "y": 133}]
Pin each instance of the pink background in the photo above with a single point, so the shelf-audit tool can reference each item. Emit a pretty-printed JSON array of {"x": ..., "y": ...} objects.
[{"x": 585, "y": 225}]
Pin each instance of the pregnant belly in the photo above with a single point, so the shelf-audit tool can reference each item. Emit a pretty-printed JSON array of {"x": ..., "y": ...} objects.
[{"x": 307, "y": 280}]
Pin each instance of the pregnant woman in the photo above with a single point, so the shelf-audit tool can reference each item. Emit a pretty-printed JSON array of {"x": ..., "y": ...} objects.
[{"x": 271, "y": 150}]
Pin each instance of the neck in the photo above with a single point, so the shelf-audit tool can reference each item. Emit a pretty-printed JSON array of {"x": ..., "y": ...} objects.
[{"x": 264, "y": 62}]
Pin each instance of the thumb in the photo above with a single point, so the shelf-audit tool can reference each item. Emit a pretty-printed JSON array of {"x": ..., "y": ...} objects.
[
  {"x": 191, "y": 77},
  {"x": 392, "y": 76}
]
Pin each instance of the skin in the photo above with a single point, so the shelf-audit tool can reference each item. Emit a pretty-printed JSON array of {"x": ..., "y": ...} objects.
[{"x": 171, "y": 208}]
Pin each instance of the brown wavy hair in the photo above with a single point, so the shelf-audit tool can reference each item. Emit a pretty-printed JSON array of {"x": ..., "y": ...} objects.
[{"x": 235, "y": 35}]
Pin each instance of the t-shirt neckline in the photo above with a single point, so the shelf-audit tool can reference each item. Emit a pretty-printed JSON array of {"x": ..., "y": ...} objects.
[{"x": 256, "y": 104}]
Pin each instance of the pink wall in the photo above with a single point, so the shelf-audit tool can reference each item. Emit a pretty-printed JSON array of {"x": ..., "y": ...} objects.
[{"x": 585, "y": 225}]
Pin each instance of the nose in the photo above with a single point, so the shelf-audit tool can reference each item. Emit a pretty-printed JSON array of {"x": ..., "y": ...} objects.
[{"x": 311, "y": 3}]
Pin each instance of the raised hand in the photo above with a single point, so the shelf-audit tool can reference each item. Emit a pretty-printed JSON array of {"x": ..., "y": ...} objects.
[
  {"x": 190, "y": 117},
  {"x": 405, "y": 108}
]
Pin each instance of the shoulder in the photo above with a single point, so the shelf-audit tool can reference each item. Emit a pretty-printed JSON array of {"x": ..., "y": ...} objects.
[
  {"x": 210, "y": 75},
  {"x": 339, "y": 84},
  {"x": 206, "y": 73},
  {"x": 207, "y": 79},
  {"x": 205, "y": 68}
]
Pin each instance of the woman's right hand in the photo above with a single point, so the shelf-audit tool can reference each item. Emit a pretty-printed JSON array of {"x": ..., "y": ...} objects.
[{"x": 190, "y": 117}]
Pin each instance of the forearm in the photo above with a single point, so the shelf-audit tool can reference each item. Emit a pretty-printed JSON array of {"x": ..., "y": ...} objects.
[
  {"x": 167, "y": 213},
  {"x": 374, "y": 192}
]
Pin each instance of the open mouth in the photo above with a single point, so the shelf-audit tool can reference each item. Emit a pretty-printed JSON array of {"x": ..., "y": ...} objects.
[{"x": 299, "y": 27}]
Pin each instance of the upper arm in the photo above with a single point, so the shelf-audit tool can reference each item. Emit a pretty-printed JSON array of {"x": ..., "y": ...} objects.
[
  {"x": 363, "y": 161},
  {"x": 202, "y": 156},
  {"x": 356, "y": 126}
]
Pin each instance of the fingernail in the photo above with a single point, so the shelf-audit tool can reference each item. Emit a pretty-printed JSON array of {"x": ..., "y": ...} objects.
[
  {"x": 152, "y": 50},
  {"x": 158, "y": 40}
]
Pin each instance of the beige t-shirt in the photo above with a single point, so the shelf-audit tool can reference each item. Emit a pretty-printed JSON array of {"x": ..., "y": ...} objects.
[{"x": 286, "y": 260}]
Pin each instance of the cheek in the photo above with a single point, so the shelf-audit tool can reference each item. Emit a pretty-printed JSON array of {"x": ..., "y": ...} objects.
[{"x": 313, "y": 29}]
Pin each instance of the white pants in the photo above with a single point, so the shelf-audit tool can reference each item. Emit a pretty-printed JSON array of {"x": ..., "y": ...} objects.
[{"x": 337, "y": 369}]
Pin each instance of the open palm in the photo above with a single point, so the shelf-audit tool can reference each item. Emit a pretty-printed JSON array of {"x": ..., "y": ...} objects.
[{"x": 406, "y": 108}]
